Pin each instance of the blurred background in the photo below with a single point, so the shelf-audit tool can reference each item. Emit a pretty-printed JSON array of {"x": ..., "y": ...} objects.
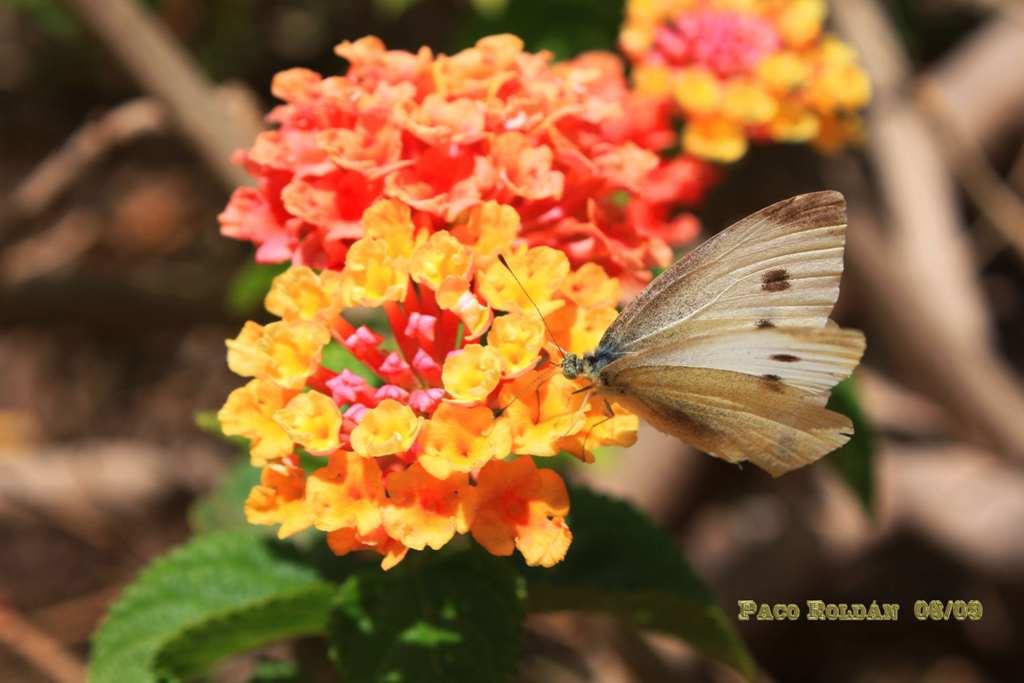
[{"x": 116, "y": 292}]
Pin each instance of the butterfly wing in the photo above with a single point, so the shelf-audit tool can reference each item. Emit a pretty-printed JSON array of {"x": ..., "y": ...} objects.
[
  {"x": 728, "y": 414},
  {"x": 779, "y": 267},
  {"x": 731, "y": 349},
  {"x": 810, "y": 359}
]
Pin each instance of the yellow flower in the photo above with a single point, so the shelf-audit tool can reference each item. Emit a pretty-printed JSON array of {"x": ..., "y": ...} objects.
[
  {"x": 389, "y": 428},
  {"x": 461, "y": 439},
  {"x": 372, "y": 276},
  {"x": 784, "y": 72},
  {"x": 697, "y": 91},
  {"x": 442, "y": 259},
  {"x": 300, "y": 294},
  {"x": 488, "y": 229},
  {"x": 286, "y": 353},
  {"x": 391, "y": 221},
  {"x": 800, "y": 22},
  {"x": 656, "y": 81},
  {"x": 543, "y": 407},
  {"x": 518, "y": 338},
  {"x": 541, "y": 272},
  {"x": 347, "y": 494},
  {"x": 716, "y": 138},
  {"x": 591, "y": 287},
  {"x": 748, "y": 103},
  {"x": 248, "y": 413},
  {"x": 587, "y": 328},
  {"x": 794, "y": 123},
  {"x": 313, "y": 421},
  {"x": 471, "y": 373}
]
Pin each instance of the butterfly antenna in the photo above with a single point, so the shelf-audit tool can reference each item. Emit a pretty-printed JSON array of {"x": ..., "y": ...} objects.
[{"x": 534, "y": 303}]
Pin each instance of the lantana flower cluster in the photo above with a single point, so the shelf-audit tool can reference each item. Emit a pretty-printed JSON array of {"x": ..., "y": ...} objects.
[
  {"x": 438, "y": 440},
  {"x": 742, "y": 70},
  {"x": 566, "y": 145}
]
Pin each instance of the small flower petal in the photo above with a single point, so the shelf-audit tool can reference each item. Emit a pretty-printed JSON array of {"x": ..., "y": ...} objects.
[
  {"x": 313, "y": 421},
  {"x": 471, "y": 373},
  {"x": 386, "y": 429}
]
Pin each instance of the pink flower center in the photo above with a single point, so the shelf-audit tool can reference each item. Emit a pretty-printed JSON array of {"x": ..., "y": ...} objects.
[{"x": 728, "y": 43}]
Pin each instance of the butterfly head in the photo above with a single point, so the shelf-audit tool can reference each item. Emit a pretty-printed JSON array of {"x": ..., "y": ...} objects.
[
  {"x": 573, "y": 366},
  {"x": 577, "y": 366}
]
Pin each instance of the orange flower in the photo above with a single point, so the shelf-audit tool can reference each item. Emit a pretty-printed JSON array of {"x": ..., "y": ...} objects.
[
  {"x": 521, "y": 507},
  {"x": 555, "y": 143},
  {"x": 425, "y": 511},
  {"x": 461, "y": 439},
  {"x": 348, "y": 493},
  {"x": 280, "y": 499},
  {"x": 344, "y": 541},
  {"x": 249, "y": 413}
]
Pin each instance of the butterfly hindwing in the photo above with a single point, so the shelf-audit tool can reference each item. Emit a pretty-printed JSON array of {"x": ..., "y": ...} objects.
[{"x": 731, "y": 415}]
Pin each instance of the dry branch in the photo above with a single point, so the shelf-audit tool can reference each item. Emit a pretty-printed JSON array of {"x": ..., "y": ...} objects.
[
  {"x": 165, "y": 70},
  {"x": 38, "y": 648},
  {"x": 919, "y": 273}
]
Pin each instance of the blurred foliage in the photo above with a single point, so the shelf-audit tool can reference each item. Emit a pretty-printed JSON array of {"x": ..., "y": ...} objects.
[
  {"x": 337, "y": 358},
  {"x": 249, "y": 286},
  {"x": 621, "y": 563},
  {"x": 277, "y": 671},
  {"x": 855, "y": 460},
  {"x": 566, "y": 27},
  {"x": 929, "y": 32},
  {"x": 224, "y": 507}
]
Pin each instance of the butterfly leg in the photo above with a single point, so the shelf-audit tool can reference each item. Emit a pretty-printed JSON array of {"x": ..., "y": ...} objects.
[{"x": 609, "y": 412}]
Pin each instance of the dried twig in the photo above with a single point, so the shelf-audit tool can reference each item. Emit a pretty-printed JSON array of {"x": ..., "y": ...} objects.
[
  {"x": 999, "y": 204},
  {"x": 164, "y": 69},
  {"x": 57, "y": 172},
  {"x": 919, "y": 274},
  {"x": 38, "y": 648}
]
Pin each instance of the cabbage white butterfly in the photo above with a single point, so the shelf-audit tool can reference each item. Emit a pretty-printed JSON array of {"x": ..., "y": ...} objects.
[{"x": 731, "y": 349}]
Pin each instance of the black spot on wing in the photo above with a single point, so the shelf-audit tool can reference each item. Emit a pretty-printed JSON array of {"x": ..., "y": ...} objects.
[
  {"x": 764, "y": 324},
  {"x": 775, "y": 280},
  {"x": 785, "y": 357},
  {"x": 773, "y": 382}
]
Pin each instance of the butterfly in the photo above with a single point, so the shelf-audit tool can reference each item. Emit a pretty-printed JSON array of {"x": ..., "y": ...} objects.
[{"x": 731, "y": 348}]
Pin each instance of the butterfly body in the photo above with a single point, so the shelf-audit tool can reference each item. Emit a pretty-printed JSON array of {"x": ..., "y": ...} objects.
[{"x": 731, "y": 348}]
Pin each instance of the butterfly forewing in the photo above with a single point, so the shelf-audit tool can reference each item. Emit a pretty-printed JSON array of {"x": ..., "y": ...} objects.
[
  {"x": 810, "y": 359},
  {"x": 778, "y": 267}
]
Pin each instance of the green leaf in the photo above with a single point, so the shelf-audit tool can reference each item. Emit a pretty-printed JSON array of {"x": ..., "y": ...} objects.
[
  {"x": 223, "y": 508},
  {"x": 249, "y": 285},
  {"x": 622, "y": 563},
  {"x": 337, "y": 358},
  {"x": 455, "y": 617},
  {"x": 854, "y": 460},
  {"x": 277, "y": 671},
  {"x": 217, "y": 595},
  {"x": 301, "y": 612}
]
